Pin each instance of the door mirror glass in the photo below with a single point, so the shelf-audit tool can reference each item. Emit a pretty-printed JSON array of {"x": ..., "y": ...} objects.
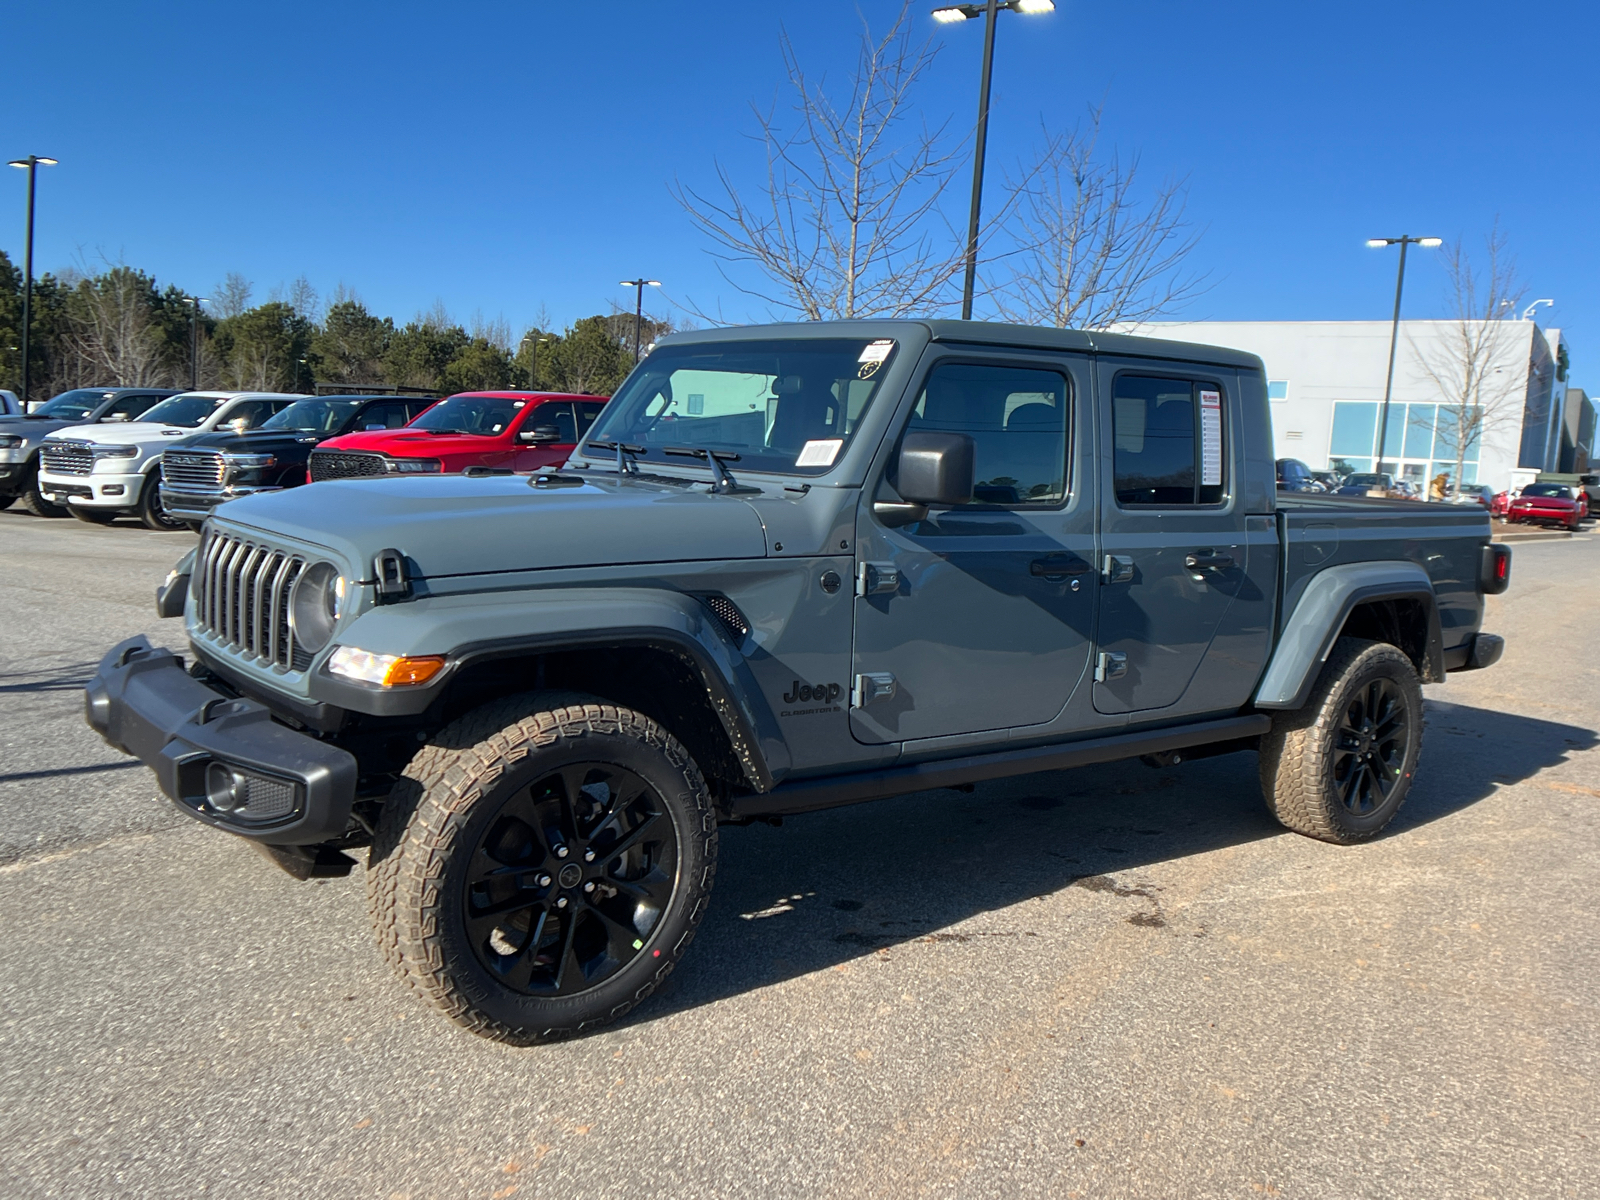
[
  {"x": 541, "y": 434},
  {"x": 935, "y": 468}
]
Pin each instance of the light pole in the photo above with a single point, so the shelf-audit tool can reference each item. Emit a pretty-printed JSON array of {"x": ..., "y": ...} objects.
[
  {"x": 31, "y": 165},
  {"x": 194, "y": 344},
  {"x": 638, "y": 285},
  {"x": 1402, "y": 241},
  {"x": 533, "y": 370},
  {"x": 965, "y": 12},
  {"x": 1527, "y": 313}
]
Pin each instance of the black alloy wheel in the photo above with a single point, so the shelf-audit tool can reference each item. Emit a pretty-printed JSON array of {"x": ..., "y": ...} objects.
[
  {"x": 570, "y": 879},
  {"x": 151, "y": 511},
  {"x": 1370, "y": 747}
]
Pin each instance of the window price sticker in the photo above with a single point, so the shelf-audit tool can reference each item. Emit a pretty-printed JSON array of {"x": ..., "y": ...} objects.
[
  {"x": 1210, "y": 438},
  {"x": 819, "y": 453},
  {"x": 872, "y": 356}
]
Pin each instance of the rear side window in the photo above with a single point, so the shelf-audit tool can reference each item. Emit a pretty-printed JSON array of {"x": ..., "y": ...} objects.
[
  {"x": 588, "y": 410},
  {"x": 1017, "y": 420},
  {"x": 1168, "y": 441}
]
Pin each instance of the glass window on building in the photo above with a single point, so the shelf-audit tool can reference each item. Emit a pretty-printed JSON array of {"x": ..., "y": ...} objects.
[
  {"x": 1277, "y": 389},
  {"x": 1419, "y": 430},
  {"x": 1355, "y": 425}
]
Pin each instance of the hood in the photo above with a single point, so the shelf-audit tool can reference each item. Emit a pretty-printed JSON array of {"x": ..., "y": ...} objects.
[
  {"x": 454, "y": 525},
  {"x": 34, "y": 428},
  {"x": 252, "y": 441},
  {"x": 131, "y": 433},
  {"x": 417, "y": 442}
]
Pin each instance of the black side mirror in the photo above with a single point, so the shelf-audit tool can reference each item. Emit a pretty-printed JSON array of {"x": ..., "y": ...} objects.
[
  {"x": 934, "y": 468},
  {"x": 540, "y": 434}
]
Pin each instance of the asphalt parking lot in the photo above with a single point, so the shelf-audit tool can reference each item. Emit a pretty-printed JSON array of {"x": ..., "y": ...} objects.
[{"x": 1115, "y": 982}]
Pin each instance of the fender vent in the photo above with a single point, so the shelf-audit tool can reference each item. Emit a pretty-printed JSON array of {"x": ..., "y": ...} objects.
[{"x": 728, "y": 613}]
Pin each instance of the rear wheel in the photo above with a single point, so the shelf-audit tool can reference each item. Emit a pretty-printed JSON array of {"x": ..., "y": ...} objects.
[
  {"x": 1339, "y": 768},
  {"x": 33, "y": 499},
  {"x": 543, "y": 865},
  {"x": 149, "y": 508}
]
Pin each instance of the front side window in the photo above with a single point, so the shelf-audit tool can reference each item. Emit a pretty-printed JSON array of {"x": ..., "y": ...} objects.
[
  {"x": 788, "y": 406},
  {"x": 557, "y": 416},
  {"x": 1017, "y": 420},
  {"x": 486, "y": 416},
  {"x": 313, "y": 416},
  {"x": 251, "y": 413},
  {"x": 129, "y": 407},
  {"x": 389, "y": 415},
  {"x": 1167, "y": 441},
  {"x": 73, "y": 405},
  {"x": 187, "y": 411}
]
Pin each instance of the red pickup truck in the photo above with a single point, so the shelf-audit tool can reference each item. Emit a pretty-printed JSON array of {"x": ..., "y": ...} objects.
[{"x": 524, "y": 431}]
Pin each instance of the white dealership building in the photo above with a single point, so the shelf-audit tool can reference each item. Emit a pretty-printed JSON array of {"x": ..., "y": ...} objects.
[{"x": 1326, "y": 383}]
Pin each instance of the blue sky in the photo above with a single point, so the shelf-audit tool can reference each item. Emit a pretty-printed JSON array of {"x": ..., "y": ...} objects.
[{"x": 504, "y": 157}]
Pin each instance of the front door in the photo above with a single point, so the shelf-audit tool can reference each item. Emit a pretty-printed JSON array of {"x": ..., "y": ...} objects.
[
  {"x": 1178, "y": 596},
  {"x": 979, "y": 618}
]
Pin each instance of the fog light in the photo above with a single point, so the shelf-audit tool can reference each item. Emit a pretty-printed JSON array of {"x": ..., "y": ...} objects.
[
  {"x": 226, "y": 789},
  {"x": 114, "y": 489},
  {"x": 385, "y": 670}
]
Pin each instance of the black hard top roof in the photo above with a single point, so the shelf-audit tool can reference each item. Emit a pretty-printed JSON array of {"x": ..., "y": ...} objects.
[{"x": 988, "y": 333}]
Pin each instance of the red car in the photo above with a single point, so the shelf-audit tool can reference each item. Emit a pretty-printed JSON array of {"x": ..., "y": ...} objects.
[
  {"x": 1548, "y": 503},
  {"x": 522, "y": 431}
]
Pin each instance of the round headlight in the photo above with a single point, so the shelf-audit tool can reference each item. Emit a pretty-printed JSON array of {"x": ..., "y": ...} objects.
[
  {"x": 226, "y": 790},
  {"x": 314, "y": 610}
]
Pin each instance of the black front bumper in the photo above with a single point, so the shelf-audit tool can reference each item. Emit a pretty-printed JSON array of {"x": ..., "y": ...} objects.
[{"x": 143, "y": 702}]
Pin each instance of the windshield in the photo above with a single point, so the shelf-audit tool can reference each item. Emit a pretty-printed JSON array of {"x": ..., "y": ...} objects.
[
  {"x": 1545, "y": 489},
  {"x": 485, "y": 415},
  {"x": 69, "y": 406},
  {"x": 187, "y": 410},
  {"x": 313, "y": 416},
  {"x": 785, "y": 406}
]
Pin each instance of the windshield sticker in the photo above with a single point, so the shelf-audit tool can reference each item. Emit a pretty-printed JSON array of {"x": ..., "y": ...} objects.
[
  {"x": 819, "y": 453},
  {"x": 877, "y": 351},
  {"x": 1210, "y": 438}
]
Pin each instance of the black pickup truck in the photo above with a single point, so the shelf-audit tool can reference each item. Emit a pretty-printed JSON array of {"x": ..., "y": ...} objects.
[{"x": 202, "y": 472}]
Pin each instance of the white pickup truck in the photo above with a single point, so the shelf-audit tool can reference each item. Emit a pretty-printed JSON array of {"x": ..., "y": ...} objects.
[{"x": 101, "y": 472}]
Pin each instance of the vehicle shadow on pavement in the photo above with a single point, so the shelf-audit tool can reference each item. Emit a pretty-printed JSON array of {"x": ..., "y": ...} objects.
[
  {"x": 829, "y": 887},
  {"x": 51, "y": 679}
]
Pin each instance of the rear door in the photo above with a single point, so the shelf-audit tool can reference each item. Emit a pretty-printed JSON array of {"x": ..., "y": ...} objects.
[
  {"x": 1179, "y": 602},
  {"x": 979, "y": 619}
]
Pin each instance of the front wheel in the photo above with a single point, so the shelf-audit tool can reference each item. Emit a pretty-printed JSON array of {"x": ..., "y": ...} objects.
[
  {"x": 150, "y": 510},
  {"x": 1339, "y": 768},
  {"x": 34, "y": 500},
  {"x": 542, "y": 866}
]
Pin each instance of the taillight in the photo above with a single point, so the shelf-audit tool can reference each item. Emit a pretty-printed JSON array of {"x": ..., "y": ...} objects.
[{"x": 1494, "y": 569}]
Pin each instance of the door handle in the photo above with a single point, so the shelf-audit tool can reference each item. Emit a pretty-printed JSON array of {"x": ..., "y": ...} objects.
[
  {"x": 1058, "y": 566},
  {"x": 1118, "y": 568},
  {"x": 1206, "y": 560}
]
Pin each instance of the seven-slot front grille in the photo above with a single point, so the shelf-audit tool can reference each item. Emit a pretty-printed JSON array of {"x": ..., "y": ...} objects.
[
  {"x": 241, "y": 594},
  {"x": 67, "y": 458},
  {"x": 344, "y": 464},
  {"x": 191, "y": 468}
]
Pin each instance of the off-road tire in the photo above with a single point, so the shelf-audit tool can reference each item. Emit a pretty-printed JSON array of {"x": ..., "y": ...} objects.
[
  {"x": 1301, "y": 755},
  {"x": 94, "y": 516},
  {"x": 33, "y": 499},
  {"x": 449, "y": 798},
  {"x": 149, "y": 506}
]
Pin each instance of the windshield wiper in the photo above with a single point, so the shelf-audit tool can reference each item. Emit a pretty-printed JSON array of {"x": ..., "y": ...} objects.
[
  {"x": 627, "y": 456},
  {"x": 724, "y": 484}
]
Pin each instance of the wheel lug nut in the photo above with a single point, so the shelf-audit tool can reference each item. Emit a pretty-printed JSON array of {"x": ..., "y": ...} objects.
[
  {"x": 588, "y": 856},
  {"x": 589, "y": 887},
  {"x": 544, "y": 881},
  {"x": 562, "y": 902},
  {"x": 562, "y": 852}
]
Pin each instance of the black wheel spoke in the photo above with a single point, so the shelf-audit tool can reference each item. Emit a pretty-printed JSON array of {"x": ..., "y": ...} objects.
[
  {"x": 520, "y": 974},
  {"x": 620, "y": 937},
  {"x": 632, "y": 838}
]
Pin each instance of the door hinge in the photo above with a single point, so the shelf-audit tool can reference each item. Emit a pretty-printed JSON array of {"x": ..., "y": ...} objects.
[
  {"x": 1110, "y": 665},
  {"x": 877, "y": 579},
  {"x": 873, "y": 685},
  {"x": 1118, "y": 568}
]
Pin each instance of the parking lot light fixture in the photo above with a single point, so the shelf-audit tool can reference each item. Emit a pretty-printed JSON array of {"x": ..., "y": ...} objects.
[
  {"x": 194, "y": 342},
  {"x": 1402, "y": 241},
  {"x": 638, "y": 285},
  {"x": 948, "y": 15},
  {"x": 31, "y": 165}
]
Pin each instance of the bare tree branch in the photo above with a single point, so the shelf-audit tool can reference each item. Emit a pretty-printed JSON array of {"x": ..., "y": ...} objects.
[
  {"x": 843, "y": 223},
  {"x": 1476, "y": 390},
  {"x": 1090, "y": 253}
]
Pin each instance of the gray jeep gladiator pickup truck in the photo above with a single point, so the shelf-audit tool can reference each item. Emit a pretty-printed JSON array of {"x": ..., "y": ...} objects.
[{"x": 790, "y": 567}]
